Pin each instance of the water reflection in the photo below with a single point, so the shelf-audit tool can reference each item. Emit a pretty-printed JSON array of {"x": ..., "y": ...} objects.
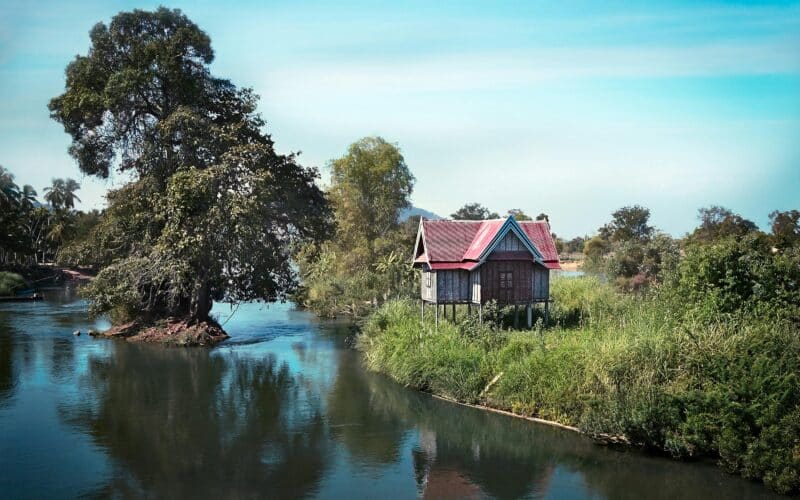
[
  {"x": 360, "y": 418},
  {"x": 282, "y": 410},
  {"x": 8, "y": 366},
  {"x": 181, "y": 423}
]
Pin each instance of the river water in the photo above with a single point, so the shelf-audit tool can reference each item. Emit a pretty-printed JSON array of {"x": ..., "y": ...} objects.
[{"x": 282, "y": 410}]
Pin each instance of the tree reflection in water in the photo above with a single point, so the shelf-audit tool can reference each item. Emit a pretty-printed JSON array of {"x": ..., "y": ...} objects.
[
  {"x": 195, "y": 424},
  {"x": 9, "y": 371}
]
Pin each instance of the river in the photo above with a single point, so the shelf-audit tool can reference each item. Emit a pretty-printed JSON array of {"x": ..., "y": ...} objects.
[{"x": 281, "y": 410}]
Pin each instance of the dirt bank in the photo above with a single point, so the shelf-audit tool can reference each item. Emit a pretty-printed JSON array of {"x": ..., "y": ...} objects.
[{"x": 170, "y": 332}]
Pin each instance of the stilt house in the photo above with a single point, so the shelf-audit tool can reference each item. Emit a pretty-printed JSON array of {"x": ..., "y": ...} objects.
[{"x": 474, "y": 262}]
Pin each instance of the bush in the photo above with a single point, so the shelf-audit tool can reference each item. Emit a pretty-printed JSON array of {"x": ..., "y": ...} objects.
[{"x": 11, "y": 283}]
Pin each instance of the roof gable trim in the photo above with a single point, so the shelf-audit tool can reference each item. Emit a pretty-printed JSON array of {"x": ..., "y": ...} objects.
[{"x": 511, "y": 225}]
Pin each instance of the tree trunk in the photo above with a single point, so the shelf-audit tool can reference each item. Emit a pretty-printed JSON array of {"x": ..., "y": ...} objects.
[{"x": 201, "y": 303}]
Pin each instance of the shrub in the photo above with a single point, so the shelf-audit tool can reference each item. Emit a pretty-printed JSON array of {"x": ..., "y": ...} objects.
[{"x": 11, "y": 283}]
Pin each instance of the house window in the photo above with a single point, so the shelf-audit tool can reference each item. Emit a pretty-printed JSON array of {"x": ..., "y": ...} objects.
[
  {"x": 428, "y": 280},
  {"x": 506, "y": 279}
]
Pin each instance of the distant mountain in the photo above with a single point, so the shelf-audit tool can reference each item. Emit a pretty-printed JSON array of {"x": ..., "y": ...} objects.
[{"x": 412, "y": 211}]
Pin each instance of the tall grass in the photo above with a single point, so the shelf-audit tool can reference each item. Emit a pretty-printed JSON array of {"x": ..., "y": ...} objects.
[
  {"x": 10, "y": 283},
  {"x": 618, "y": 365}
]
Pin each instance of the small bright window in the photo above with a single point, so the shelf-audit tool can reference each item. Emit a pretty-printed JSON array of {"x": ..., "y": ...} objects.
[{"x": 428, "y": 279}]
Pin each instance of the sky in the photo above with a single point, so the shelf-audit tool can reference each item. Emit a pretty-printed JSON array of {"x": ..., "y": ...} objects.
[{"x": 569, "y": 108}]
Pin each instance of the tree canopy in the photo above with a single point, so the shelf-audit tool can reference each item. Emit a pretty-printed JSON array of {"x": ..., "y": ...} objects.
[
  {"x": 518, "y": 214},
  {"x": 212, "y": 210},
  {"x": 719, "y": 222},
  {"x": 61, "y": 194},
  {"x": 366, "y": 260},
  {"x": 785, "y": 228},
  {"x": 628, "y": 223},
  {"x": 474, "y": 211}
]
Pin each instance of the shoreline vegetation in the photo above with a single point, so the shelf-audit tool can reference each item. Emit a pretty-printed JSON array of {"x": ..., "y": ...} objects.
[{"x": 640, "y": 370}]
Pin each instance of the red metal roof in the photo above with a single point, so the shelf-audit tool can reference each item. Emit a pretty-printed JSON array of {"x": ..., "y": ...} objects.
[
  {"x": 483, "y": 238},
  {"x": 454, "y": 244},
  {"x": 467, "y": 266},
  {"x": 539, "y": 234}
]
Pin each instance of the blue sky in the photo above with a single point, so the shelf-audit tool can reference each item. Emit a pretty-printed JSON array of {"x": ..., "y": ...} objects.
[{"x": 574, "y": 109}]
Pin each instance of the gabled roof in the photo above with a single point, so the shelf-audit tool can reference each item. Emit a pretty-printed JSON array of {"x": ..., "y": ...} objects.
[{"x": 465, "y": 244}]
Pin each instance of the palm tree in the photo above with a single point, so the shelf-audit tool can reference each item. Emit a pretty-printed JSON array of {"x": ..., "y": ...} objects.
[
  {"x": 9, "y": 191},
  {"x": 27, "y": 196},
  {"x": 69, "y": 195},
  {"x": 61, "y": 194}
]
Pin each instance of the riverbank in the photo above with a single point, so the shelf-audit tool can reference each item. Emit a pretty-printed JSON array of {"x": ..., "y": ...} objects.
[{"x": 618, "y": 368}]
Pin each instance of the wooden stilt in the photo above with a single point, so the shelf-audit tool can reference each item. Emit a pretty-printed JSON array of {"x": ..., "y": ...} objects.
[
  {"x": 516, "y": 317},
  {"x": 454, "y": 312},
  {"x": 423, "y": 311},
  {"x": 546, "y": 312},
  {"x": 529, "y": 310},
  {"x": 469, "y": 308},
  {"x": 480, "y": 313},
  {"x": 436, "y": 315}
]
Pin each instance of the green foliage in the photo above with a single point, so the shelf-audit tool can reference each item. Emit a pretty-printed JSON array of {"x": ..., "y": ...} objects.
[
  {"x": 366, "y": 262},
  {"x": 785, "y": 228},
  {"x": 473, "y": 211},
  {"x": 518, "y": 214},
  {"x": 651, "y": 368},
  {"x": 719, "y": 222},
  {"x": 34, "y": 233},
  {"x": 212, "y": 211},
  {"x": 628, "y": 223},
  {"x": 738, "y": 277},
  {"x": 440, "y": 360},
  {"x": 630, "y": 252},
  {"x": 61, "y": 194},
  {"x": 10, "y": 283}
]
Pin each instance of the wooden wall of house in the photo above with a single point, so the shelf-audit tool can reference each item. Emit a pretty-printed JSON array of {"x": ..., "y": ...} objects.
[
  {"x": 452, "y": 286},
  {"x": 428, "y": 285},
  {"x": 475, "y": 285},
  {"x": 541, "y": 282},
  {"x": 521, "y": 290},
  {"x": 510, "y": 243}
]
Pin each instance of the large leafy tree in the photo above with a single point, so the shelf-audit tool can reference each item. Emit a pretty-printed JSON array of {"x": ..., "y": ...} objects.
[
  {"x": 785, "y": 228},
  {"x": 628, "y": 224},
  {"x": 718, "y": 222},
  {"x": 212, "y": 210},
  {"x": 366, "y": 261}
]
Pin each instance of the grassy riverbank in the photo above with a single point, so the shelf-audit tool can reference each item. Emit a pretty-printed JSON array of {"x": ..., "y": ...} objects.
[{"x": 647, "y": 368}]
